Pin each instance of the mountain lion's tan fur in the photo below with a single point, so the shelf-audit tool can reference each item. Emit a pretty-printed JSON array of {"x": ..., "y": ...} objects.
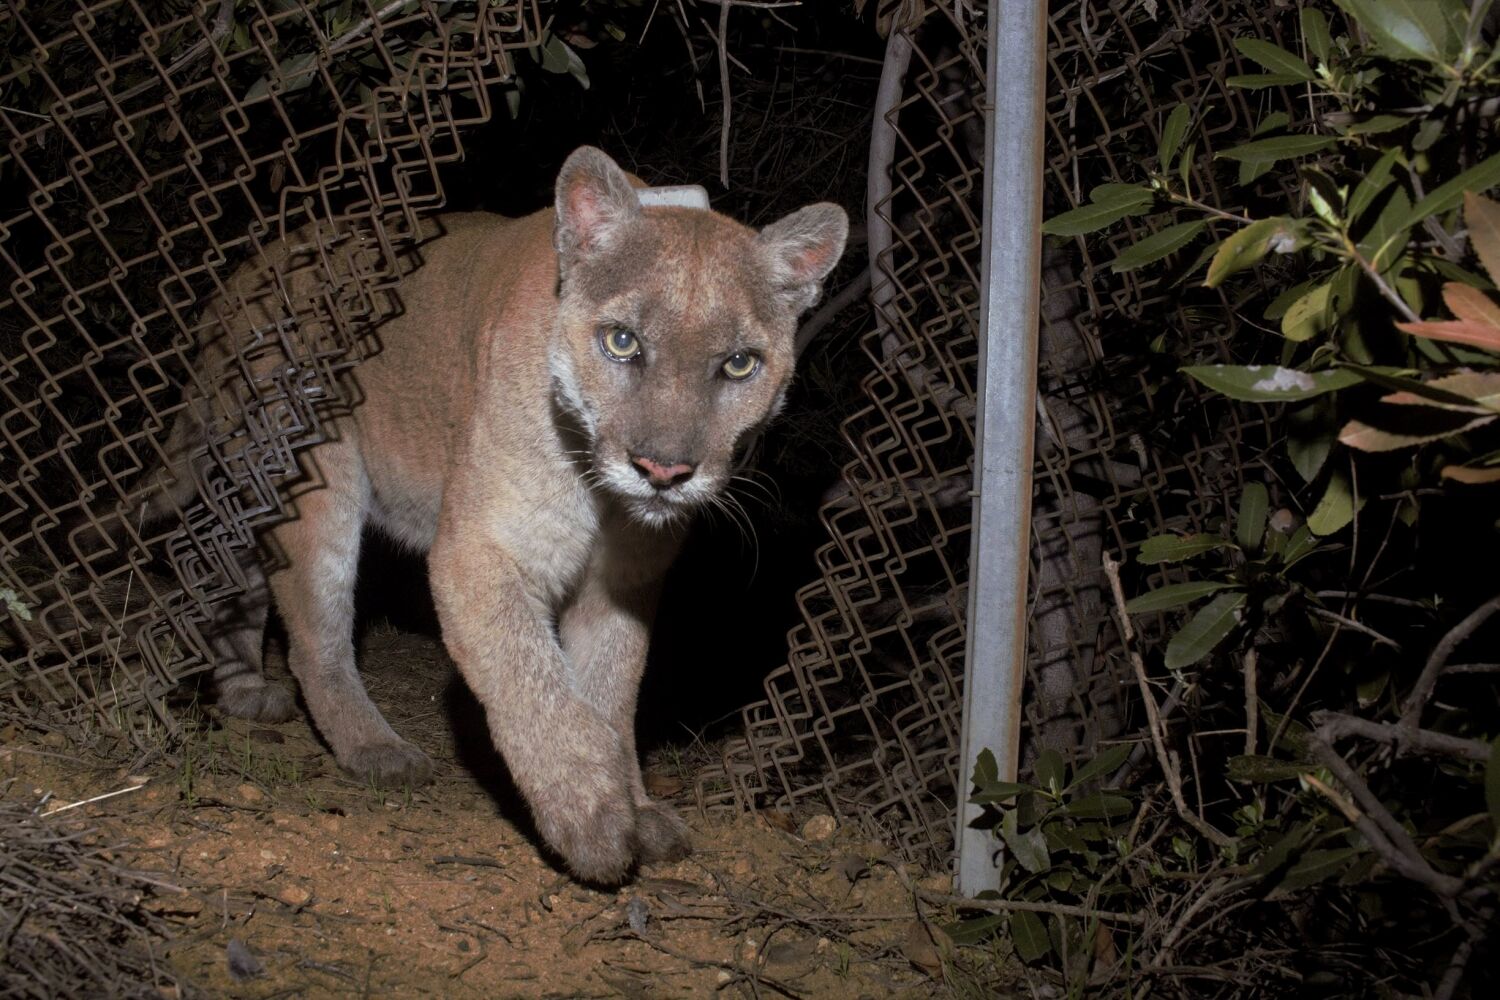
[{"x": 544, "y": 478}]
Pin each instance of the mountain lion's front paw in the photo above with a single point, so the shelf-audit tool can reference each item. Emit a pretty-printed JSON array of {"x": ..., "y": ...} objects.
[
  {"x": 596, "y": 838},
  {"x": 662, "y": 834},
  {"x": 391, "y": 764}
]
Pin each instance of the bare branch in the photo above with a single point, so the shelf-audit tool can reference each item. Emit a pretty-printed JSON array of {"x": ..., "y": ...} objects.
[
  {"x": 1335, "y": 725},
  {"x": 1380, "y": 828},
  {"x": 1411, "y": 712}
]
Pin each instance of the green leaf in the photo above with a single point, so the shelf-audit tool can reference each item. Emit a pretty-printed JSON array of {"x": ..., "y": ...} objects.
[
  {"x": 1204, "y": 631},
  {"x": 293, "y": 74},
  {"x": 975, "y": 930},
  {"x": 1176, "y": 548},
  {"x": 1260, "y": 81},
  {"x": 1387, "y": 235},
  {"x": 1029, "y": 848},
  {"x": 1250, "y": 523},
  {"x": 1158, "y": 245},
  {"x": 1119, "y": 201},
  {"x": 993, "y": 792},
  {"x": 1302, "y": 544},
  {"x": 1099, "y": 805},
  {"x": 1406, "y": 29},
  {"x": 1313, "y": 867},
  {"x": 1315, "y": 33},
  {"x": 1376, "y": 124},
  {"x": 1376, "y": 180},
  {"x": 559, "y": 57},
  {"x": 1281, "y": 147},
  {"x": 1106, "y": 761},
  {"x": 986, "y": 768},
  {"x": 1274, "y": 58},
  {"x": 1173, "y": 595},
  {"x": 1308, "y": 316},
  {"x": 1400, "y": 380},
  {"x": 1172, "y": 134},
  {"x": 1029, "y": 935},
  {"x": 1284, "y": 299},
  {"x": 1311, "y": 432},
  {"x": 1445, "y": 197},
  {"x": 1269, "y": 383},
  {"x": 1051, "y": 772},
  {"x": 1336, "y": 509},
  {"x": 1249, "y": 245},
  {"x": 1258, "y": 769},
  {"x": 1272, "y": 122}
]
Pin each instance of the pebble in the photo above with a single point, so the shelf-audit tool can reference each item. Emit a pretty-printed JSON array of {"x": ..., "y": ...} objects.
[
  {"x": 820, "y": 827},
  {"x": 295, "y": 895},
  {"x": 250, "y": 793}
]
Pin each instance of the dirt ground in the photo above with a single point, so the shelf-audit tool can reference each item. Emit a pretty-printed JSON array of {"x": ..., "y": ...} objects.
[{"x": 299, "y": 882}]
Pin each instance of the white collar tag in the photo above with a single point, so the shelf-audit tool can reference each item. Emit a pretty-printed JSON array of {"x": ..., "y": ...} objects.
[{"x": 679, "y": 196}]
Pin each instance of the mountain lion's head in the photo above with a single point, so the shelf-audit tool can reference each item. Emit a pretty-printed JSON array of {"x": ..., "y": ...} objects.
[{"x": 676, "y": 330}]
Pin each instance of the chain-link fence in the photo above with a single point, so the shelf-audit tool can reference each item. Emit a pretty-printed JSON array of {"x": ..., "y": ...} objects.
[
  {"x": 150, "y": 151},
  {"x": 164, "y": 146},
  {"x": 864, "y": 718}
]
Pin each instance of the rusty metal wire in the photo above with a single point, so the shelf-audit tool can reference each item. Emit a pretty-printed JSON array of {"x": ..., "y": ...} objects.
[
  {"x": 149, "y": 150},
  {"x": 863, "y": 720}
]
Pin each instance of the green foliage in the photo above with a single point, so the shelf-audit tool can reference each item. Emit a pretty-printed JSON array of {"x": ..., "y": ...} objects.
[{"x": 1354, "y": 233}]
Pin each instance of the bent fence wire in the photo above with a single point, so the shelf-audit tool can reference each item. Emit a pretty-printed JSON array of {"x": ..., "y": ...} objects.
[
  {"x": 150, "y": 150},
  {"x": 864, "y": 718}
]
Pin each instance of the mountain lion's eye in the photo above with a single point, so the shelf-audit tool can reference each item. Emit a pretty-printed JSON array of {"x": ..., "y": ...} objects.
[
  {"x": 741, "y": 365},
  {"x": 620, "y": 344}
]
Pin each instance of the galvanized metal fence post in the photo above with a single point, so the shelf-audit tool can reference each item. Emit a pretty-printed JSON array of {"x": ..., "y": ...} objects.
[{"x": 995, "y": 663}]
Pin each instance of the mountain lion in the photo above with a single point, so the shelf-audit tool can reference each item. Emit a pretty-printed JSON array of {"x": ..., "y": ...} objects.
[{"x": 557, "y": 397}]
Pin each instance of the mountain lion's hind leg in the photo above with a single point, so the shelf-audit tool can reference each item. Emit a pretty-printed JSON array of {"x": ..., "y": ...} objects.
[
  {"x": 237, "y": 642},
  {"x": 315, "y": 596}
]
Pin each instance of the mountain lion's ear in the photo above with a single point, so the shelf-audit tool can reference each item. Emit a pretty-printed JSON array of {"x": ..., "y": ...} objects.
[
  {"x": 802, "y": 248},
  {"x": 594, "y": 199}
]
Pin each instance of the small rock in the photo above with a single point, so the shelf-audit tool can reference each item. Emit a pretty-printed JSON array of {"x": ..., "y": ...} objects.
[
  {"x": 637, "y": 913},
  {"x": 790, "y": 954},
  {"x": 925, "y": 946},
  {"x": 937, "y": 883},
  {"x": 748, "y": 951},
  {"x": 724, "y": 976},
  {"x": 741, "y": 866},
  {"x": 242, "y": 964},
  {"x": 267, "y": 854},
  {"x": 295, "y": 895},
  {"x": 54, "y": 740},
  {"x": 819, "y": 828},
  {"x": 250, "y": 793}
]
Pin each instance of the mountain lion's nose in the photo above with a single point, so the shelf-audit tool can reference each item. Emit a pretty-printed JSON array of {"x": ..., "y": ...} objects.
[{"x": 662, "y": 476}]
